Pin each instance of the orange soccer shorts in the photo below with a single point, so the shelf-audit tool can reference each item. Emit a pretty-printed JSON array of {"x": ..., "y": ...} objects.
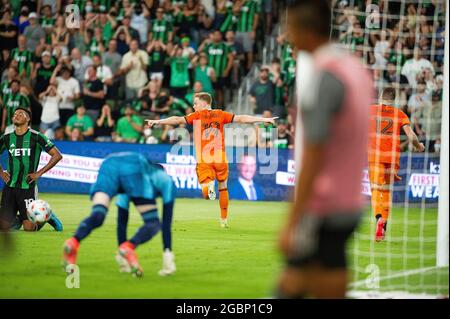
[
  {"x": 207, "y": 172},
  {"x": 383, "y": 173}
]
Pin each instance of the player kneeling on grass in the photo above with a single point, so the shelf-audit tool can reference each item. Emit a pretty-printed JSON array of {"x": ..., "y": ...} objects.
[
  {"x": 123, "y": 205},
  {"x": 24, "y": 147},
  {"x": 131, "y": 174}
]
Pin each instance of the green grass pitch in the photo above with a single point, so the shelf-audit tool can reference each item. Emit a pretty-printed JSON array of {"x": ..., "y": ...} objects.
[{"x": 239, "y": 262}]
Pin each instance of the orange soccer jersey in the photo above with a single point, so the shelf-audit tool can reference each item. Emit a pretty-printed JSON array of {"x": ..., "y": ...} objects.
[
  {"x": 385, "y": 127},
  {"x": 209, "y": 140}
]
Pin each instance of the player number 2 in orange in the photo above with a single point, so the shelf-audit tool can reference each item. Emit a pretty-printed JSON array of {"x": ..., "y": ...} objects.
[{"x": 385, "y": 126}]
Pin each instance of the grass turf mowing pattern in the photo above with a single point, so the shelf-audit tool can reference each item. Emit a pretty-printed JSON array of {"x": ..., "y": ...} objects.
[
  {"x": 405, "y": 260},
  {"x": 212, "y": 262},
  {"x": 239, "y": 262}
]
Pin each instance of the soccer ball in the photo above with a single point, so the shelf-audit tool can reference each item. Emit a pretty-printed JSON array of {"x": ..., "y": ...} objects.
[{"x": 39, "y": 211}]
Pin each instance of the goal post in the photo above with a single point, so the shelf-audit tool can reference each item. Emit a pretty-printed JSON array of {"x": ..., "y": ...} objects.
[
  {"x": 443, "y": 211},
  {"x": 413, "y": 260}
]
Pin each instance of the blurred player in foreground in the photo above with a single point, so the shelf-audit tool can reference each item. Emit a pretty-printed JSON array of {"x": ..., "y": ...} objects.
[
  {"x": 131, "y": 174},
  {"x": 334, "y": 106},
  {"x": 209, "y": 143},
  {"x": 386, "y": 123}
]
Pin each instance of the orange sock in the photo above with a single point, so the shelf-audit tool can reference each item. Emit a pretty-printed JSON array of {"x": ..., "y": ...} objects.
[
  {"x": 386, "y": 200},
  {"x": 223, "y": 202},
  {"x": 376, "y": 201}
]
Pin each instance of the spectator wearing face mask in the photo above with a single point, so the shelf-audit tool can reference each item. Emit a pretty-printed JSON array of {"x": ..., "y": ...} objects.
[
  {"x": 140, "y": 22},
  {"x": 22, "y": 20}
]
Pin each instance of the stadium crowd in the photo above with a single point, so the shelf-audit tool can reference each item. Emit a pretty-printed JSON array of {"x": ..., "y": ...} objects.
[
  {"x": 400, "y": 42},
  {"x": 98, "y": 74},
  {"x": 404, "y": 47},
  {"x": 132, "y": 60}
]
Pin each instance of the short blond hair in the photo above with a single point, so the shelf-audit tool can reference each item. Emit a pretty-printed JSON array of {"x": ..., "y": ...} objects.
[{"x": 204, "y": 96}]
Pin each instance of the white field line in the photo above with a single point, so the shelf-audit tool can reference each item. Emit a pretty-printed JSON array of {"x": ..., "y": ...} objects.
[
  {"x": 397, "y": 275},
  {"x": 390, "y": 295}
]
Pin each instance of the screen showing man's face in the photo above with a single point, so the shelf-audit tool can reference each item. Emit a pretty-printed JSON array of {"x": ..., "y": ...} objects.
[{"x": 247, "y": 168}]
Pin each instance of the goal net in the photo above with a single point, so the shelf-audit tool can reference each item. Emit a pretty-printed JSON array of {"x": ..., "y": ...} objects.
[{"x": 403, "y": 44}]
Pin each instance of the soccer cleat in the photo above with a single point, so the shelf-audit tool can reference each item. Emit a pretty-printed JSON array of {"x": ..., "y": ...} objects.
[
  {"x": 168, "y": 267},
  {"x": 17, "y": 225},
  {"x": 123, "y": 264},
  {"x": 223, "y": 223},
  {"x": 211, "y": 191},
  {"x": 126, "y": 250},
  {"x": 55, "y": 222},
  {"x": 70, "y": 251},
  {"x": 380, "y": 231}
]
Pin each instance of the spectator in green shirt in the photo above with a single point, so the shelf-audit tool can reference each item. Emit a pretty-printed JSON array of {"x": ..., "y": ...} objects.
[
  {"x": 108, "y": 24},
  {"x": 161, "y": 28},
  {"x": 204, "y": 73},
  {"x": 47, "y": 22},
  {"x": 179, "y": 73},
  {"x": 22, "y": 58},
  {"x": 80, "y": 121},
  {"x": 129, "y": 127},
  {"x": 5, "y": 85},
  {"x": 10, "y": 102}
]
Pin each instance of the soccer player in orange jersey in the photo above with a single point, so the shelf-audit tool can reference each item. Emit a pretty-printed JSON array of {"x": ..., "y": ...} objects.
[
  {"x": 386, "y": 122},
  {"x": 209, "y": 143}
]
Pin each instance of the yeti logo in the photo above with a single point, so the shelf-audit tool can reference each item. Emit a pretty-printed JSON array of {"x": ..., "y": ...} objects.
[{"x": 20, "y": 152}]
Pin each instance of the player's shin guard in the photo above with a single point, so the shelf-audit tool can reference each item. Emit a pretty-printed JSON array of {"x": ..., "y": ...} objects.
[
  {"x": 376, "y": 201},
  {"x": 223, "y": 202},
  {"x": 167, "y": 225},
  {"x": 386, "y": 204},
  {"x": 150, "y": 228},
  {"x": 122, "y": 223},
  {"x": 93, "y": 221}
]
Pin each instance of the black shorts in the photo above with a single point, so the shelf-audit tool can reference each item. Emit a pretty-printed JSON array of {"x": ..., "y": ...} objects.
[
  {"x": 16, "y": 200},
  {"x": 322, "y": 240}
]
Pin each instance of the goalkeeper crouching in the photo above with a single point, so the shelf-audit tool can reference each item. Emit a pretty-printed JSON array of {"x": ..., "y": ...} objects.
[{"x": 142, "y": 182}]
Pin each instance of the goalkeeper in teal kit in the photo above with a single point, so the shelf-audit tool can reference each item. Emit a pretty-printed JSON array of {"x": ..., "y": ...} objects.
[{"x": 137, "y": 180}]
